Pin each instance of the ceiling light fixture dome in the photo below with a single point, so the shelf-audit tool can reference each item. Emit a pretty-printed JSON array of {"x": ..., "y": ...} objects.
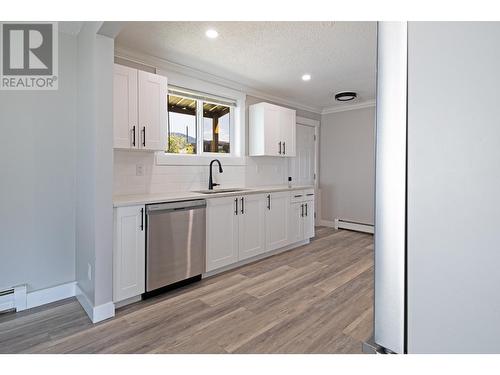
[
  {"x": 306, "y": 77},
  {"x": 211, "y": 33},
  {"x": 345, "y": 96}
]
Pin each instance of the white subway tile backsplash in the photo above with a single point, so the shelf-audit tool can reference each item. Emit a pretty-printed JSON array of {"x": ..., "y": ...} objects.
[{"x": 259, "y": 171}]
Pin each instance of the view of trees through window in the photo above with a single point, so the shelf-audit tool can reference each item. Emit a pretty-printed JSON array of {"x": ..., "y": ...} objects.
[
  {"x": 216, "y": 127},
  {"x": 182, "y": 137}
]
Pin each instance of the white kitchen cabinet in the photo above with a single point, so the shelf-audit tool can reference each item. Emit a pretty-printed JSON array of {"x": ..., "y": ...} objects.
[
  {"x": 309, "y": 219},
  {"x": 152, "y": 102},
  {"x": 302, "y": 216},
  {"x": 288, "y": 128},
  {"x": 272, "y": 130},
  {"x": 296, "y": 222},
  {"x": 139, "y": 109},
  {"x": 277, "y": 220},
  {"x": 252, "y": 226},
  {"x": 125, "y": 127},
  {"x": 129, "y": 252},
  {"x": 222, "y": 232}
]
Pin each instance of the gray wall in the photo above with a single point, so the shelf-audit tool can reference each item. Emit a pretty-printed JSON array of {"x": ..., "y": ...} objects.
[
  {"x": 453, "y": 184},
  {"x": 347, "y": 165},
  {"x": 94, "y": 213},
  {"x": 37, "y": 189}
]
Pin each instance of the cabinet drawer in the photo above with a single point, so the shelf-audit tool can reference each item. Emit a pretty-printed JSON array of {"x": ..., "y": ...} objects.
[
  {"x": 297, "y": 196},
  {"x": 309, "y": 195}
]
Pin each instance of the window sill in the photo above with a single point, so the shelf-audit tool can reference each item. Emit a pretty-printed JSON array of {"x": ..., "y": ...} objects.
[{"x": 163, "y": 158}]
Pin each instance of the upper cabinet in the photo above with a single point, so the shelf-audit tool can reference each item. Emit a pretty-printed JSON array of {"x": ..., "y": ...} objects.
[
  {"x": 271, "y": 130},
  {"x": 139, "y": 109}
]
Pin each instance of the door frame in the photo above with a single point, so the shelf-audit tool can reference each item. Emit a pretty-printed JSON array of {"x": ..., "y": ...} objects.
[{"x": 316, "y": 125}]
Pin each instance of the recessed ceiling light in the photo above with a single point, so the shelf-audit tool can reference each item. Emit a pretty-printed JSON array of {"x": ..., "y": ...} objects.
[
  {"x": 211, "y": 33},
  {"x": 345, "y": 96},
  {"x": 306, "y": 77}
]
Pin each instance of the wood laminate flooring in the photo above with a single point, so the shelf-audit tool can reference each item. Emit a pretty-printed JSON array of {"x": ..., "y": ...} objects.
[{"x": 317, "y": 298}]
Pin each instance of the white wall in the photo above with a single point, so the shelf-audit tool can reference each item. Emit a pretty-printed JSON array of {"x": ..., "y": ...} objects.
[
  {"x": 37, "y": 189},
  {"x": 170, "y": 178},
  {"x": 347, "y": 165},
  {"x": 453, "y": 184}
]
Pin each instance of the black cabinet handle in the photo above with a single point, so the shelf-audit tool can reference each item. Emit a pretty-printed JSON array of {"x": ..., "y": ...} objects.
[
  {"x": 242, "y": 205},
  {"x": 302, "y": 210},
  {"x": 142, "y": 219},
  {"x": 284, "y": 149},
  {"x": 297, "y": 196},
  {"x": 144, "y": 136},
  {"x": 306, "y": 209},
  {"x": 236, "y": 206},
  {"x": 268, "y": 201},
  {"x": 279, "y": 147},
  {"x": 133, "y": 135}
]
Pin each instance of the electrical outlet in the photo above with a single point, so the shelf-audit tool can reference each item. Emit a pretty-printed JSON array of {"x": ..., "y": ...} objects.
[
  {"x": 139, "y": 170},
  {"x": 89, "y": 271}
]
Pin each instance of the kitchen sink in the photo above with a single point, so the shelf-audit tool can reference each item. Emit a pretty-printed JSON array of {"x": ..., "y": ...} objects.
[{"x": 219, "y": 191}]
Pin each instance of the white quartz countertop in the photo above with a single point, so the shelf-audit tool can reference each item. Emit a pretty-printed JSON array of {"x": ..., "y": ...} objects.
[{"x": 136, "y": 199}]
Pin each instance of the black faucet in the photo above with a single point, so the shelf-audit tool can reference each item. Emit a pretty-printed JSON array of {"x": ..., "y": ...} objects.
[{"x": 210, "y": 180}]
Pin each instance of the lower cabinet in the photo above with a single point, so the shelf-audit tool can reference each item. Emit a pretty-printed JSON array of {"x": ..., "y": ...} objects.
[
  {"x": 277, "y": 223},
  {"x": 129, "y": 252},
  {"x": 302, "y": 217},
  {"x": 242, "y": 227},
  {"x": 252, "y": 226},
  {"x": 222, "y": 232},
  {"x": 235, "y": 229}
]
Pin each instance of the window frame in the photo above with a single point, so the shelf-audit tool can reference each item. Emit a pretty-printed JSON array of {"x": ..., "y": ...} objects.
[
  {"x": 237, "y": 122},
  {"x": 197, "y": 125}
]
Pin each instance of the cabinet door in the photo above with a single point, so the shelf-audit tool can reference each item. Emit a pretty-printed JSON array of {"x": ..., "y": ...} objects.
[
  {"x": 277, "y": 220},
  {"x": 252, "y": 226},
  {"x": 288, "y": 131},
  {"x": 152, "y": 111},
  {"x": 296, "y": 222},
  {"x": 309, "y": 220},
  {"x": 272, "y": 138},
  {"x": 125, "y": 107},
  {"x": 222, "y": 232},
  {"x": 129, "y": 253}
]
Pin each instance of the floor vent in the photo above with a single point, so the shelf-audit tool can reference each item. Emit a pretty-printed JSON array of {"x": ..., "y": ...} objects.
[{"x": 13, "y": 299}]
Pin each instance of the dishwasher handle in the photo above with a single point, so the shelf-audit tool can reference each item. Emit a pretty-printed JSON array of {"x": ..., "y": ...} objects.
[{"x": 175, "y": 206}]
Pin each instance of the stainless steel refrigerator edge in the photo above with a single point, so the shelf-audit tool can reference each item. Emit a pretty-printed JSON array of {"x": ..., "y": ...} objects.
[{"x": 390, "y": 186}]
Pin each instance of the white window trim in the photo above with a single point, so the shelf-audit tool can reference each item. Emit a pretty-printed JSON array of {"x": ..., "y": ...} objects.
[{"x": 238, "y": 140}]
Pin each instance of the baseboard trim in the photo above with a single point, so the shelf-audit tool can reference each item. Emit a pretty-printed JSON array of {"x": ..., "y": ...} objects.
[
  {"x": 97, "y": 313},
  {"x": 326, "y": 223},
  {"x": 358, "y": 227},
  {"x": 255, "y": 258},
  {"x": 49, "y": 295}
]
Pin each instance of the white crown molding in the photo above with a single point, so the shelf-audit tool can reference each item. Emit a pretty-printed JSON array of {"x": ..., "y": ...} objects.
[
  {"x": 160, "y": 63},
  {"x": 348, "y": 107}
]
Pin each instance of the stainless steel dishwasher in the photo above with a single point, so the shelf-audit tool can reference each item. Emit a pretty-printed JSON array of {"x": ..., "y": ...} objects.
[{"x": 175, "y": 242}]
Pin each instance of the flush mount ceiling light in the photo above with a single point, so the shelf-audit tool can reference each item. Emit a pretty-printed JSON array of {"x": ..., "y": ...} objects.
[
  {"x": 306, "y": 77},
  {"x": 345, "y": 96},
  {"x": 211, "y": 33}
]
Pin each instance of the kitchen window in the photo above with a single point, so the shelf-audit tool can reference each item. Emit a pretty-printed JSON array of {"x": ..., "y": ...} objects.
[
  {"x": 199, "y": 123},
  {"x": 182, "y": 129}
]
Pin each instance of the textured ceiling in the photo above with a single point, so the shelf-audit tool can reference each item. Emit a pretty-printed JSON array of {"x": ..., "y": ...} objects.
[{"x": 269, "y": 56}]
